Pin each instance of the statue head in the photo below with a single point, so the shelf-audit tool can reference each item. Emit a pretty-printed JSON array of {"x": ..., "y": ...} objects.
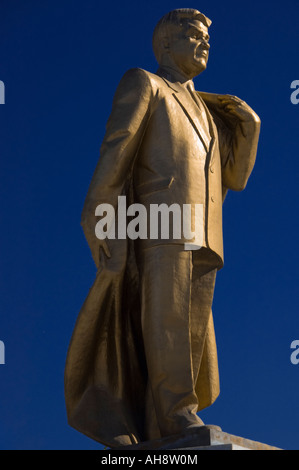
[{"x": 181, "y": 41}]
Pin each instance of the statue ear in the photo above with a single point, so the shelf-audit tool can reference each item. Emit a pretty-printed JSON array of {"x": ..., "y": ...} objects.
[{"x": 166, "y": 44}]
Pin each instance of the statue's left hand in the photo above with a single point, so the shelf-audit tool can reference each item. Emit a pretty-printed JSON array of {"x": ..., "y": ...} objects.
[{"x": 234, "y": 106}]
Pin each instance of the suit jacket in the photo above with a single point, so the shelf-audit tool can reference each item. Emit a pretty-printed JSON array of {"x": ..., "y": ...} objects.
[
  {"x": 153, "y": 136},
  {"x": 149, "y": 153}
]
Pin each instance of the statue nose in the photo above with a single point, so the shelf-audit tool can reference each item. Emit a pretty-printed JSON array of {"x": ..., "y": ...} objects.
[{"x": 203, "y": 47}]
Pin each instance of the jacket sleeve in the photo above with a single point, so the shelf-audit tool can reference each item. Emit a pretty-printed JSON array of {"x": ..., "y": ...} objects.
[
  {"x": 124, "y": 131},
  {"x": 238, "y": 152},
  {"x": 238, "y": 141}
]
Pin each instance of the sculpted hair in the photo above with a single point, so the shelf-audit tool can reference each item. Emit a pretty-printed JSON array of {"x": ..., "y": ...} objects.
[{"x": 174, "y": 18}]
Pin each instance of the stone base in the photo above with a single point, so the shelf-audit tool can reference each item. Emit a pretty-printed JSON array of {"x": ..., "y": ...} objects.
[{"x": 201, "y": 438}]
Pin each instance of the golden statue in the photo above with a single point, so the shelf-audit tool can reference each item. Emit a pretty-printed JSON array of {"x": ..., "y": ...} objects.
[{"x": 142, "y": 361}]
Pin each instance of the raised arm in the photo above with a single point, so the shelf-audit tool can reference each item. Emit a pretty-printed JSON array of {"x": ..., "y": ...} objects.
[
  {"x": 245, "y": 130},
  {"x": 238, "y": 130}
]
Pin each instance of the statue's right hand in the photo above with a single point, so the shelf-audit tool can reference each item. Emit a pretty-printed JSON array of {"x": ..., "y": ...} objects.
[{"x": 104, "y": 251}]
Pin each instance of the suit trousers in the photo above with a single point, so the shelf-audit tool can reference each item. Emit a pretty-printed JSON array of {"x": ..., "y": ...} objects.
[{"x": 176, "y": 288}]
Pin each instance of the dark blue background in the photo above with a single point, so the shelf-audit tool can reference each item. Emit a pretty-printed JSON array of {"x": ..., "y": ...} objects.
[{"x": 61, "y": 62}]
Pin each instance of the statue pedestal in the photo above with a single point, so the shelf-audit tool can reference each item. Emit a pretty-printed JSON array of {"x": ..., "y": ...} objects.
[{"x": 201, "y": 438}]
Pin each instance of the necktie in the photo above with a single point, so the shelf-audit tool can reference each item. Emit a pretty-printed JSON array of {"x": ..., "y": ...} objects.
[{"x": 203, "y": 116}]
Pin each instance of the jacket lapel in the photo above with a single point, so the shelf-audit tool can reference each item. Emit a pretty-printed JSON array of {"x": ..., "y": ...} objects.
[
  {"x": 192, "y": 115},
  {"x": 212, "y": 128}
]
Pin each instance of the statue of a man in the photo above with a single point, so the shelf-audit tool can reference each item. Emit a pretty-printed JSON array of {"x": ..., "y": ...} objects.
[{"x": 142, "y": 360}]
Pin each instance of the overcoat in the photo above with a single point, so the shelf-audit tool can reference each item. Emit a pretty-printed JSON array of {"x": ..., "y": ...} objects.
[{"x": 149, "y": 152}]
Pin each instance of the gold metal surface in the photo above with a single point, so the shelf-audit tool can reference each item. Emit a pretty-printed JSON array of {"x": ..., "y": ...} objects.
[{"x": 142, "y": 359}]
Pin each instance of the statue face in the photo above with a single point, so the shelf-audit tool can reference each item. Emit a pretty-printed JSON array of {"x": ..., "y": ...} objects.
[{"x": 189, "y": 47}]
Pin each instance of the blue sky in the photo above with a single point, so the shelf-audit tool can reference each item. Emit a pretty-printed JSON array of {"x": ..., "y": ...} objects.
[{"x": 61, "y": 62}]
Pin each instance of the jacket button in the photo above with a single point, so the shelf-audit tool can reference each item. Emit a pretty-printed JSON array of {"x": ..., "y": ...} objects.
[
  {"x": 212, "y": 199},
  {"x": 212, "y": 169}
]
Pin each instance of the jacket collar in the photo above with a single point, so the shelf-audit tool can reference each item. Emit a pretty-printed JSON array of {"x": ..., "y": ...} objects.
[
  {"x": 173, "y": 78},
  {"x": 175, "y": 81}
]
